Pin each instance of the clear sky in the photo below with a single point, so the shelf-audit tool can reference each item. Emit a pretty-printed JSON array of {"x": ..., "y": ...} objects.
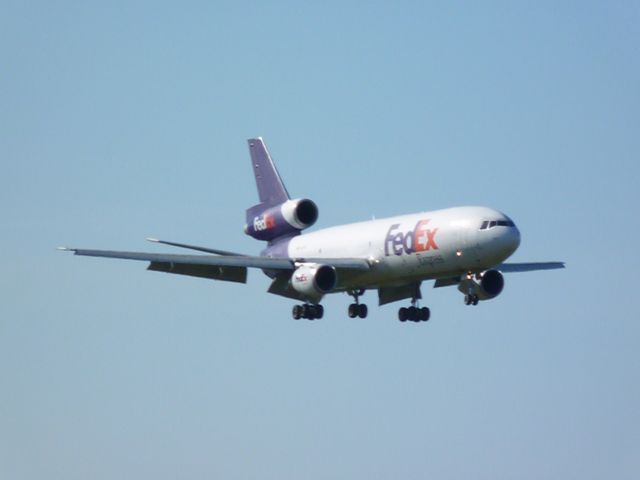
[{"x": 121, "y": 120}]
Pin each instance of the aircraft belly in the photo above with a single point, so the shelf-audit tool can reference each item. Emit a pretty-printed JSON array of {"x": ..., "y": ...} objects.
[{"x": 400, "y": 270}]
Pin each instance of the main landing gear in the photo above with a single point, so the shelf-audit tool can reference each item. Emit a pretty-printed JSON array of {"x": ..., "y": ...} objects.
[
  {"x": 414, "y": 313},
  {"x": 357, "y": 309},
  {"x": 308, "y": 311}
]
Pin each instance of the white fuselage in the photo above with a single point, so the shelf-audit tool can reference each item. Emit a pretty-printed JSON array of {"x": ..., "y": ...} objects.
[{"x": 430, "y": 245}]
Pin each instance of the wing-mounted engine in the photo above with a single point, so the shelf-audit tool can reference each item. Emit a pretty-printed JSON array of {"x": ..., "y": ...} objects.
[
  {"x": 484, "y": 286},
  {"x": 313, "y": 281},
  {"x": 286, "y": 219}
]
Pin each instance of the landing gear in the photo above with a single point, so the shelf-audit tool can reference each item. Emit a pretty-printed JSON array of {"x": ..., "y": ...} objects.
[
  {"x": 471, "y": 299},
  {"x": 414, "y": 313},
  {"x": 308, "y": 311},
  {"x": 357, "y": 309}
]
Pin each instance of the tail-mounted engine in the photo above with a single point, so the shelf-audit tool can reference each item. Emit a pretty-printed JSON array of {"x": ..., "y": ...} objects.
[
  {"x": 484, "y": 286},
  {"x": 313, "y": 281},
  {"x": 285, "y": 219}
]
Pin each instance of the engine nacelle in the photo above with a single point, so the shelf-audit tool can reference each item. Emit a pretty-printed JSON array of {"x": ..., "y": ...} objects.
[
  {"x": 313, "y": 280},
  {"x": 489, "y": 285},
  {"x": 290, "y": 217}
]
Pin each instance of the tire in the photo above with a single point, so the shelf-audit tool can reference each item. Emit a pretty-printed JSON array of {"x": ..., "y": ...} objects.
[
  {"x": 403, "y": 314},
  {"x": 297, "y": 312},
  {"x": 413, "y": 314},
  {"x": 353, "y": 310},
  {"x": 319, "y": 311},
  {"x": 362, "y": 310},
  {"x": 425, "y": 313},
  {"x": 307, "y": 312}
]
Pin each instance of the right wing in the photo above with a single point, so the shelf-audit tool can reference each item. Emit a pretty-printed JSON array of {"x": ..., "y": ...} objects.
[
  {"x": 181, "y": 259},
  {"x": 231, "y": 268}
]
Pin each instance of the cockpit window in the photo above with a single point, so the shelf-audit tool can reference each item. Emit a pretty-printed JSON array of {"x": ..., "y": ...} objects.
[{"x": 487, "y": 224}]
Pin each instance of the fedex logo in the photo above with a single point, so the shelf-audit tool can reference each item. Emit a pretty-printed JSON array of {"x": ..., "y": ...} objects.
[
  {"x": 420, "y": 239},
  {"x": 263, "y": 222}
]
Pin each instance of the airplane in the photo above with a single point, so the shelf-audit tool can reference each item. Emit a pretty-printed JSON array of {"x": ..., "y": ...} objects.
[{"x": 461, "y": 246}]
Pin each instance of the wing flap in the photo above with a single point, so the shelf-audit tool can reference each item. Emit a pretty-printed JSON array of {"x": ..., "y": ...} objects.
[{"x": 228, "y": 274}]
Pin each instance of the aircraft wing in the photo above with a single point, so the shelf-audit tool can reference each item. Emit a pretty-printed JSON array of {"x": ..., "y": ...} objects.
[
  {"x": 219, "y": 267},
  {"x": 529, "y": 267},
  {"x": 505, "y": 268},
  {"x": 211, "y": 260}
]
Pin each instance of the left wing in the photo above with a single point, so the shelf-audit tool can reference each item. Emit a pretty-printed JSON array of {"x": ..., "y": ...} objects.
[
  {"x": 529, "y": 267},
  {"x": 505, "y": 268}
]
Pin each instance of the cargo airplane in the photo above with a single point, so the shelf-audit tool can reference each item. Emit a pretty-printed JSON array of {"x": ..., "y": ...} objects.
[{"x": 463, "y": 246}]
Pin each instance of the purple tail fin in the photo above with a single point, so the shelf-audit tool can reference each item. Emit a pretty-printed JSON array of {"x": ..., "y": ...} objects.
[
  {"x": 271, "y": 190},
  {"x": 276, "y": 217}
]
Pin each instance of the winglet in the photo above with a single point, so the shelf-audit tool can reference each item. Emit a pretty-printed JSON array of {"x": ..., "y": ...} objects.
[
  {"x": 65, "y": 249},
  {"x": 151, "y": 239}
]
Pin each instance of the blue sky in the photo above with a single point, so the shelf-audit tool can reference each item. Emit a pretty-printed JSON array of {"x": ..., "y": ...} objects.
[{"x": 121, "y": 120}]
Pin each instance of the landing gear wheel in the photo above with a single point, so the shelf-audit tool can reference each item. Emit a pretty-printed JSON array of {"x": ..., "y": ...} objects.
[
  {"x": 308, "y": 312},
  {"x": 475, "y": 300},
  {"x": 357, "y": 309},
  {"x": 414, "y": 314}
]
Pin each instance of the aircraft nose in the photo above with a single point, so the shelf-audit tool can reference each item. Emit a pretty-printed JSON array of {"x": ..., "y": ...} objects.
[{"x": 513, "y": 238}]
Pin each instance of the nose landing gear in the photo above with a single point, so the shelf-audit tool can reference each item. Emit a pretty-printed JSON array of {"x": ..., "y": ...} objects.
[{"x": 471, "y": 299}]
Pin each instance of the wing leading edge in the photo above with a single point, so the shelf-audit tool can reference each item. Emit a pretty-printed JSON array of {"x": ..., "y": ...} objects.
[
  {"x": 529, "y": 267},
  {"x": 219, "y": 267}
]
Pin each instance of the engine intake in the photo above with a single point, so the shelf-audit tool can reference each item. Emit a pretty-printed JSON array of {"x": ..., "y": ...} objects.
[
  {"x": 314, "y": 281},
  {"x": 288, "y": 218},
  {"x": 300, "y": 214},
  {"x": 488, "y": 286}
]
